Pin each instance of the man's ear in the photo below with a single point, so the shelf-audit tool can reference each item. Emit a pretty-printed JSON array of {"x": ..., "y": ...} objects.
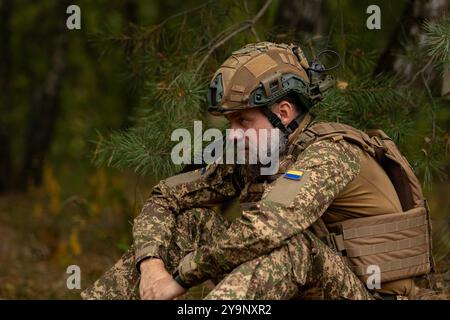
[{"x": 285, "y": 111}]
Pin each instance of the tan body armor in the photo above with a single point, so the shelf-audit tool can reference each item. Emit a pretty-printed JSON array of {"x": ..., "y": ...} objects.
[{"x": 381, "y": 218}]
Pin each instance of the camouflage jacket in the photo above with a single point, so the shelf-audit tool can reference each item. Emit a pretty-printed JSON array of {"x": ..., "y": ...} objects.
[{"x": 285, "y": 208}]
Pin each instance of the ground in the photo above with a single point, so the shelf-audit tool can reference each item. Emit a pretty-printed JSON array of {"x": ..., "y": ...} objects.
[{"x": 44, "y": 231}]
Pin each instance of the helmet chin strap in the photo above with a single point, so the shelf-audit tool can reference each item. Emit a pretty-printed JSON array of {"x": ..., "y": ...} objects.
[{"x": 276, "y": 121}]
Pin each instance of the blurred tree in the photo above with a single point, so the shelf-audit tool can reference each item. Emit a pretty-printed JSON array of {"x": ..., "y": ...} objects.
[
  {"x": 45, "y": 104},
  {"x": 50, "y": 79},
  {"x": 408, "y": 35},
  {"x": 302, "y": 16},
  {"x": 130, "y": 12},
  {"x": 6, "y": 7}
]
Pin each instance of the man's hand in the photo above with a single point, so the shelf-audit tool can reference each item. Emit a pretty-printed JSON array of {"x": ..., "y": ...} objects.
[{"x": 156, "y": 283}]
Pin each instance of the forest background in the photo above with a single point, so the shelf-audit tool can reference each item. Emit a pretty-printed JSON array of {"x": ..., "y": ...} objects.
[{"x": 86, "y": 114}]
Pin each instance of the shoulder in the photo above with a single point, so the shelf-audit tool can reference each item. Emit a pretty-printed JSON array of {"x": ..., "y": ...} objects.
[
  {"x": 325, "y": 141},
  {"x": 210, "y": 174},
  {"x": 319, "y": 173},
  {"x": 334, "y": 152}
]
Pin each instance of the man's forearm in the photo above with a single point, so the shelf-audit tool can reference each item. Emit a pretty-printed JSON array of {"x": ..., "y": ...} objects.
[{"x": 152, "y": 229}]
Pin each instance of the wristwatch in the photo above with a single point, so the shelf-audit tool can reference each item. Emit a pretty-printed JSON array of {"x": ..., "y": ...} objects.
[{"x": 176, "y": 276}]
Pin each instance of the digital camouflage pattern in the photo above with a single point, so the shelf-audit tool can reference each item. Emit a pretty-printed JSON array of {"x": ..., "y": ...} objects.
[
  {"x": 268, "y": 224},
  {"x": 152, "y": 229},
  {"x": 304, "y": 262},
  {"x": 267, "y": 253},
  {"x": 192, "y": 228},
  {"x": 291, "y": 272}
]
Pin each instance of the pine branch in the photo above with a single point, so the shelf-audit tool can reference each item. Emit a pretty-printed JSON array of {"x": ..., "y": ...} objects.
[
  {"x": 431, "y": 160},
  {"x": 239, "y": 28},
  {"x": 437, "y": 39},
  {"x": 175, "y": 68},
  {"x": 366, "y": 103},
  {"x": 184, "y": 96},
  {"x": 144, "y": 149}
]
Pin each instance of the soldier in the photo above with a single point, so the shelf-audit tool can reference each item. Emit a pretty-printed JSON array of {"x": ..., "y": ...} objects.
[{"x": 281, "y": 246}]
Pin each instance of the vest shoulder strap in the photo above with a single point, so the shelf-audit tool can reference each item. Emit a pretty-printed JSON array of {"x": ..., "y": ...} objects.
[
  {"x": 378, "y": 144},
  {"x": 335, "y": 131}
]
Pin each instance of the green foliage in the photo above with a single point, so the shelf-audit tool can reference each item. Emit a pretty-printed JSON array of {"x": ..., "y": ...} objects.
[
  {"x": 437, "y": 39},
  {"x": 143, "y": 148},
  {"x": 183, "y": 97},
  {"x": 406, "y": 110},
  {"x": 370, "y": 102},
  {"x": 430, "y": 161},
  {"x": 174, "y": 68}
]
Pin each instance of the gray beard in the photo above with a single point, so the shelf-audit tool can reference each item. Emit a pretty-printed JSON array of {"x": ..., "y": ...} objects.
[{"x": 253, "y": 171}]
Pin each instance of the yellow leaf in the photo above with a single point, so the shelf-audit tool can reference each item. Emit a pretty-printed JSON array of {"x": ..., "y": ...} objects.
[
  {"x": 342, "y": 84},
  {"x": 74, "y": 242},
  {"x": 53, "y": 190}
]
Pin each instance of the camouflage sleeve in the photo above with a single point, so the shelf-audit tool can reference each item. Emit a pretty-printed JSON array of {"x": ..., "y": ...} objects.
[
  {"x": 287, "y": 208},
  {"x": 152, "y": 228}
]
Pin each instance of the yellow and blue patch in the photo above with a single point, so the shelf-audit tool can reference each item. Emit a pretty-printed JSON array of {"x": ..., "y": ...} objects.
[
  {"x": 205, "y": 168},
  {"x": 293, "y": 175}
]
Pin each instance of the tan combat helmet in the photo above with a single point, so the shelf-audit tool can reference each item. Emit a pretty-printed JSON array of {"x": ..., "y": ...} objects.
[{"x": 261, "y": 74}]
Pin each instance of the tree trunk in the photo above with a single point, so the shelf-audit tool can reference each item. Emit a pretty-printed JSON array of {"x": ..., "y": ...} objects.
[
  {"x": 45, "y": 107},
  {"x": 5, "y": 97},
  {"x": 301, "y": 16},
  {"x": 409, "y": 32},
  {"x": 130, "y": 10},
  {"x": 445, "y": 91}
]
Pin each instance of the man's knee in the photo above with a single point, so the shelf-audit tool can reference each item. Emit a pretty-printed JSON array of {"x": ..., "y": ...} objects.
[
  {"x": 317, "y": 265},
  {"x": 267, "y": 277},
  {"x": 304, "y": 263}
]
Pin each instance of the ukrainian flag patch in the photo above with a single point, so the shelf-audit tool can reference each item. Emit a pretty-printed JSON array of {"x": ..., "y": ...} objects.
[
  {"x": 293, "y": 175},
  {"x": 206, "y": 168}
]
